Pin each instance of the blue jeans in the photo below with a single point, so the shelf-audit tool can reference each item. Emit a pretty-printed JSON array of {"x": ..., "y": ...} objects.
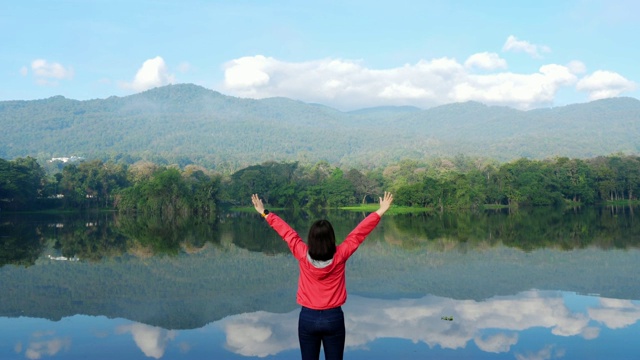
[{"x": 326, "y": 327}]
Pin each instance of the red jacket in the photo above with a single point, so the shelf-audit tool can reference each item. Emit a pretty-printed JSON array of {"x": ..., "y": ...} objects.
[{"x": 322, "y": 287}]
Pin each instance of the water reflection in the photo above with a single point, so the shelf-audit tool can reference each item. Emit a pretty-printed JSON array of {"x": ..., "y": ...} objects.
[
  {"x": 530, "y": 325},
  {"x": 492, "y": 325},
  {"x": 171, "y": 278},
  {"x": 615, "y": 313},
  {"x": 151, "y": 340},
  {"x": 44, "y": 343},
  {"x": 261, "y": 333},
  {"x": 94, "y": 236}
]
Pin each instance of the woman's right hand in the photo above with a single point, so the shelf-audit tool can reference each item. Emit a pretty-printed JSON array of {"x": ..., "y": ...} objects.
[
  {"x": 385, "y": 203},
  {"x": 257, "y": 203}
]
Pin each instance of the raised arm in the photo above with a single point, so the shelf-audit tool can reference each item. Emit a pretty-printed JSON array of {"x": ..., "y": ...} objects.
[
  {"x": 290, "y": 236},
  {"x": 364, "y": 228}
]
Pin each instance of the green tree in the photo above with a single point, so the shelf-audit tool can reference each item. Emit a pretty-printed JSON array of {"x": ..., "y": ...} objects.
[
  {"x": 575, "y": 179},
  {"x": 338, "y": 190},
  {"x": 604, "y": 179},
  {"x": 363, "y": 186},
  {"x": 22, "y": 182},
  {"x": 529, "y": 182},
  {"x": 92, "y": 183},
  {"x": 170, "y": 193},
  {"x": 275, "y": 182}
]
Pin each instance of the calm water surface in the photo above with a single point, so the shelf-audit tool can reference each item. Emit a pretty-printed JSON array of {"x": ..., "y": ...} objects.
[{"x": 541, "y": 284}]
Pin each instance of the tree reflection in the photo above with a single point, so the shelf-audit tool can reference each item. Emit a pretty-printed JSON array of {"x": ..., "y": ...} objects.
[
  {"x": 20, "y": 243},
  {"x": 526, "y": 229},
  {"x": 161, "y": 235},
  {"x": 94, "y": 236},
  {"x": 90, "y": 237}
]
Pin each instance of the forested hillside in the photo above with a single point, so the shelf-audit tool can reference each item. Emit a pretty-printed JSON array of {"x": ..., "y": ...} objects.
[{"x": 186, "y": 124}]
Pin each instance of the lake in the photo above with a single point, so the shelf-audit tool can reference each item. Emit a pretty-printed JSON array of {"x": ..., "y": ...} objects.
[{"x": 527, "y": 284}]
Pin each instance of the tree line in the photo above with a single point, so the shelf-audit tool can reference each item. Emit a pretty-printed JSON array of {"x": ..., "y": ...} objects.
[
  {"x": 142, "y": 187},
  {"x": 461, "y": 182}
]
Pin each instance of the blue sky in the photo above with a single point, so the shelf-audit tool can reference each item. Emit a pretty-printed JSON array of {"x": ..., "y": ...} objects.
[{"x": 344, "y": 54}]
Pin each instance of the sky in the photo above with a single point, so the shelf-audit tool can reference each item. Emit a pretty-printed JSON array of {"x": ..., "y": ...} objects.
[{"x": 344, "y": 54}]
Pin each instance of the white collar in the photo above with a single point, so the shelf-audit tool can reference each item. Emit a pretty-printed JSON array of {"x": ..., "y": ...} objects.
[{"x": 319, "y": 264}]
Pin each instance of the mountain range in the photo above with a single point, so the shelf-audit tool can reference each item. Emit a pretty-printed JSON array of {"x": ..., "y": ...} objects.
[{"x": 186, "y": 123}]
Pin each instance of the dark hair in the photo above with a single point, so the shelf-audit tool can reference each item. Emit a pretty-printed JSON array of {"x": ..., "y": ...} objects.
[{"x": 321, "y": 241}]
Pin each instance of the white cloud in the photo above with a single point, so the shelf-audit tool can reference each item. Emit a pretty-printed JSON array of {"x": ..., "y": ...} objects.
[
  {"x": 615, "y": 313},
  {"x": 513, "y": 44},
  {"x": 546, "y": 353},
  {"x": 43, "y": 68},
  {"x": 47, "y": 73},
  {"x": 420, "y": 320},
  {"x": 150, "y": 339},
  {"x": 38, "y": 347},
  {"x": 184, "y": 67},
  {"x": 347, "y": 84},
  {"x": 184, "y": 347},
  {"x": 486, "y": 60},
  {"x": 577, "y": 67},
  {"x": 261, "y": 333},
  {"x": 590, "y": 333},
  {"x": 520, "y": 90},
  {"x": 493, "y": 324},
  {"x": 604, "y": 84},
  {"x": 153, "y": 73},
  {"x": 248, "y": 72},
  {"x": 497, "y": 343}
]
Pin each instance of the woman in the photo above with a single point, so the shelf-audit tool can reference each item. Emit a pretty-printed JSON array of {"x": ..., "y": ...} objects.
[{"x": 321, "y": 283}]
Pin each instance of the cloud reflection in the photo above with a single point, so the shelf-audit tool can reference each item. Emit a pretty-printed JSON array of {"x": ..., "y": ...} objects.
[
  {"x": 616, "y": 314},
  {"x": 44, "y": 344},
  {"x": 546, "y": 353},
  {"x": 493, "y": 324},
  {"x": 150, "y": 339},
  {"x": 261, "y": 333},
  {"x": 496, "y": 343}
]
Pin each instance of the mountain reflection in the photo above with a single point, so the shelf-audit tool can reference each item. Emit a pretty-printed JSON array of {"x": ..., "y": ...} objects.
[{"x": 493, "y": 325}]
